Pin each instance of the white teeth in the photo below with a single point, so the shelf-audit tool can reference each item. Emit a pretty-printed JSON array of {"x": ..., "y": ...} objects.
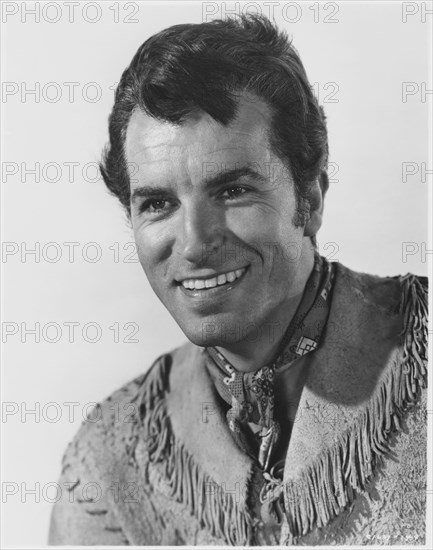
[
  {"x": 222, "y": 279},
  {"x": 210, "y": 283},
  {"x": 199, "y": 284},
  {"x": 231, "y": 276}
]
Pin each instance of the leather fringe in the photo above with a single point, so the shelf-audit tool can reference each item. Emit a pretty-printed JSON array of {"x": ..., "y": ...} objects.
[
  {"x": 328, "y": 485},
  {"x": 215, "y": 509}
]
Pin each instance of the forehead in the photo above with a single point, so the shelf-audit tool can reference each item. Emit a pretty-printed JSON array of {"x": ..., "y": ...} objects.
[{"x": 155, "y": 145}]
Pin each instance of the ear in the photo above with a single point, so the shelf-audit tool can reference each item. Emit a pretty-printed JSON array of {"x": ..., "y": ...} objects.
[{"x": 316, "y": 210}]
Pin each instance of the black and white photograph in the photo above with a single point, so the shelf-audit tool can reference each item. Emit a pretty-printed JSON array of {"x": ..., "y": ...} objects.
[{"x": 216, "y": 274}]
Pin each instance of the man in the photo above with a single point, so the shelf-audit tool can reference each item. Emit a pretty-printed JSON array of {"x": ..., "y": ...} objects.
[{"x": 296, "y": 414}]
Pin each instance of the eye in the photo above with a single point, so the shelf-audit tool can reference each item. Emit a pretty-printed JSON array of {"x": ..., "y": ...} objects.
[
  {"x": 234, "y": 192},
  {"x": 155, "y": 206}
]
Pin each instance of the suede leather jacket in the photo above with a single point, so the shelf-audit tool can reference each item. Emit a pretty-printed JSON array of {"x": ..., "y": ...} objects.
[{"x": 161, "y": 466}]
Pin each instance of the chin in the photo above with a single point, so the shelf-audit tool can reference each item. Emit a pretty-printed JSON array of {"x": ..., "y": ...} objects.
[{"x": 211, "y": 333}]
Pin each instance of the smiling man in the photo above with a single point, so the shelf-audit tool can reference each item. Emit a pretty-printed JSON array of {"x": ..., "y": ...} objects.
[
  {"x": 296, "y": 412},
  {"x": 212, "y": 227}
]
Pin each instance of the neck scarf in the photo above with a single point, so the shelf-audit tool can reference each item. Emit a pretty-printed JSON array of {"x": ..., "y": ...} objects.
[{"x": 251, "y": 394}]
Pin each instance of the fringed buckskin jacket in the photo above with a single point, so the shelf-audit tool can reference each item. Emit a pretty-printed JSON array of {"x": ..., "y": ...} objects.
[{"x": 160, "y": 466}]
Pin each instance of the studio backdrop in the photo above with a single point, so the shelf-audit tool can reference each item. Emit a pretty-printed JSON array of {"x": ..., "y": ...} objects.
[{"x": 79, "y": 317}]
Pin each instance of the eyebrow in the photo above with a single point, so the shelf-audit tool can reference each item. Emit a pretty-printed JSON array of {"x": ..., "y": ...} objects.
[
  {"x": 230, "y": 176},
  {"x": 147, "y": 192},
  {"x": 224, "y": 177}
]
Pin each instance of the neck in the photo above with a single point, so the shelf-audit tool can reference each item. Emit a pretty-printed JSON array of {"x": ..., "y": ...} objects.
[{"x": 259, "y": 348}]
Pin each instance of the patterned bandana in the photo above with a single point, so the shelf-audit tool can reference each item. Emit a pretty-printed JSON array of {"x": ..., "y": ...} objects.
[{"x": 251, "y": 394}]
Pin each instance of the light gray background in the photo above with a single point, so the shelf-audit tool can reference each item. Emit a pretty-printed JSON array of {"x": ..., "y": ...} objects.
[{"x": 369, "y": 210}]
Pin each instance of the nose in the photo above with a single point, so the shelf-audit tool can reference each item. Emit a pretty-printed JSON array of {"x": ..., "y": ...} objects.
[{"x": 202, "y": 231}]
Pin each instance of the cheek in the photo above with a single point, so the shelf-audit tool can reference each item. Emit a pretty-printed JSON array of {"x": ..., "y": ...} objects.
[
  {"x": 261, "y": 224},
  {"x": 153, "y": 246},
  {"x": 269, "y": 234}
]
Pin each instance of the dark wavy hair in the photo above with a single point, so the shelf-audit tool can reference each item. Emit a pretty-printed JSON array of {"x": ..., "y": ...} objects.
[{"x": 203, "y": 67}]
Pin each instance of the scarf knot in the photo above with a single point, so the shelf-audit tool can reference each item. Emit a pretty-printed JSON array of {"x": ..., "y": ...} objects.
[{"x": 251, "y": 395}]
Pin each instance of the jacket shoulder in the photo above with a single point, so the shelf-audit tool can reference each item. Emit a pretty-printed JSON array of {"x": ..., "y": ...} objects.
[
  {"x": 384, "y": 293},
  {"x": 99, "y": 457}
]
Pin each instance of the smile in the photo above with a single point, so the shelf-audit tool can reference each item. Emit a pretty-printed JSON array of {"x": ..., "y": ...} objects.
[{"x": 212, "y": 282}]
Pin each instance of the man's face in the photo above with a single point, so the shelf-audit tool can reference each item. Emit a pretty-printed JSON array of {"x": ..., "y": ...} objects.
[{"x": 212, "y": 210}]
